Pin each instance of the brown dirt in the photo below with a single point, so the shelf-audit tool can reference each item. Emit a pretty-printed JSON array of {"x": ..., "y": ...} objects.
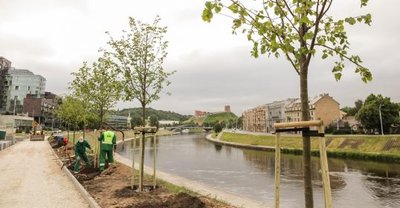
[{"x": 111, "y": 188}]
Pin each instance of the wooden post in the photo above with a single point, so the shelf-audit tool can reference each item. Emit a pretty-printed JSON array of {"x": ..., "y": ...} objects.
[
  {"x": 277, "y": 169},
  {"x": 95, "y": 153},
  {"x": 154, "y": 161},
  {"x": 325, "y": 170},
  {"x": 141, "y": 155},
  {"x": 133, "y": 161},
  {"x": 323, "y": 157},
  {"x": 143, "y": 130}
]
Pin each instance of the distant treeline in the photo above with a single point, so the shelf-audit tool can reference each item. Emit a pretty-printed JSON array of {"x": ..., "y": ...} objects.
[{"x": 136, "y": 113}]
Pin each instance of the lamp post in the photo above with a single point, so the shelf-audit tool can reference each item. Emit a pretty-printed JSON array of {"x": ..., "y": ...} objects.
[{"x": 380, "y": 117}]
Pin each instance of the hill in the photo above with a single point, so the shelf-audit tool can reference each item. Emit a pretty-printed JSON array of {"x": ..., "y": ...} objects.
[
  {"x": 223, "y": 118},
  {"x": 150, "y": 112}
]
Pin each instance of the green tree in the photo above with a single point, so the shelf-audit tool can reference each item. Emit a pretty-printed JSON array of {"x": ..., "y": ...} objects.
[
  {"x": 139, "y": 55},
  {"x": 154, "y": 121},
  {"x": 136, "y": 121},
  {"x": 72, "y": 111},
  {"x": 297, "y": 30},
  {"x": 352, "y": 111},
  {"x": 217, "y": 128},
  {"x": 368, "y": 115},
  {"x": 97, "y": 86}
]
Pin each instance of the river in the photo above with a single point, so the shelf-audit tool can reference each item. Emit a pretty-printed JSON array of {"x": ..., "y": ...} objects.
[{"x": 250, "y": 173}]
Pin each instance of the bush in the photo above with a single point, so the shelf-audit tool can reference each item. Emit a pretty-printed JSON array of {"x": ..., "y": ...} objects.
[{"x": 217, "y": 128}]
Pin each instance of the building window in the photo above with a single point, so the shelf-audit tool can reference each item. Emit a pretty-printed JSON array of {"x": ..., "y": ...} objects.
[
  {"x": 29, "y": 87},
  {"x": 16, "y": 87}
]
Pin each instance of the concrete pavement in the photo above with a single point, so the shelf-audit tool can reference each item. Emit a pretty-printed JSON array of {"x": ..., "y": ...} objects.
[{"x": 30, "y": 177}]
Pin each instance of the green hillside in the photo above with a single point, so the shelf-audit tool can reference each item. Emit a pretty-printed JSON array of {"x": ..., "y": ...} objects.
[
  {"x": 160, "y": 114},
  {"x": 223, "y": 118}
]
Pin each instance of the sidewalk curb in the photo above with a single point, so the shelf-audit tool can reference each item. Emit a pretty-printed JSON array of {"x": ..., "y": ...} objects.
[{"x": 81, "y": 189}]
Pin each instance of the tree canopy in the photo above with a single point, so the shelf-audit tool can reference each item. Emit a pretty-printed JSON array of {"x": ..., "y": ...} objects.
[
  {"x": 368, "y": 115},
  {"x": 294, "y": 29},
  {"x": 139, "y": 55},
  {"x": 97, "y": 86}
]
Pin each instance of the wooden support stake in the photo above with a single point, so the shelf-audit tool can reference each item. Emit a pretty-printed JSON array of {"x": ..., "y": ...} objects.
[
  {"x": 95, "y": 153},
  {"x": 298, "y": 124},
  {"x": 154, "y": 161},
  {"x": 141, "y": 168},
  {"x": 277, "y": 169},
  {"x": 325, "y": 170},
  {"x": 133, "y": 161}
]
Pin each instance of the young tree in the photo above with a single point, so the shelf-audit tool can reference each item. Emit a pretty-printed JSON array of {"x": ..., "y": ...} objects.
[
  {"x": 295, "y": 29},
  {"x": 139, "y": 55},
  {"x": 97, "y": 86},
  {"x": 368, "y": 115},
  {"x": 72, "y": 111}
]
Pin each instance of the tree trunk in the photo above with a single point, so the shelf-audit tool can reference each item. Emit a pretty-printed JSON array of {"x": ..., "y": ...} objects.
[{"x": 308, "y": 192}]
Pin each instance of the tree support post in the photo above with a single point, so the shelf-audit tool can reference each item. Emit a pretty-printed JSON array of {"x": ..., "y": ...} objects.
[
  {"x": 304, "y": 127},
  {"x": 141, "y": 165},
  {"x": 154, "y": 161},
  {"x": 277, "y": 169},
  {"x": 133, "y": 160},
  {"x": 143, "y": 131},
  {"x": 325, "y": 170}
]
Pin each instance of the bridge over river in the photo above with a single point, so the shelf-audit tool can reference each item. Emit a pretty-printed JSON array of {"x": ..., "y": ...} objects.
[{"x": 250, "y": 173}]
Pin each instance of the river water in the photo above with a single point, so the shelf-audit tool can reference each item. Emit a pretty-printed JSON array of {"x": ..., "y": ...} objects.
[{"x": 250, "y": 173}]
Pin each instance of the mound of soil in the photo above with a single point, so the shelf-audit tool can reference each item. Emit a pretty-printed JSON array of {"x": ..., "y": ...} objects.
[{"x": 110, "y": 189}]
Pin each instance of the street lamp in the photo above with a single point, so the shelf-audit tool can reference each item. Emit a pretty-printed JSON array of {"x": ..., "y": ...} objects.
[{"x": 380, "y": 117}]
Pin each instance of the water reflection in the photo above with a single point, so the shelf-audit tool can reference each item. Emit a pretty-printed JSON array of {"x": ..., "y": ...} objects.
[{"x": 251, "y": 173}]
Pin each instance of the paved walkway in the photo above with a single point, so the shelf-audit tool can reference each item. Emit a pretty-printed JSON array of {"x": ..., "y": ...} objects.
[{"x": 30, "y": 177}]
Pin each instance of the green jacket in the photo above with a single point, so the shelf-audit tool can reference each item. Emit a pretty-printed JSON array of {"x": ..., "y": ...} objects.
[
  {"x": 80, "y": 147},
  {"x": 102, "y": 139}
]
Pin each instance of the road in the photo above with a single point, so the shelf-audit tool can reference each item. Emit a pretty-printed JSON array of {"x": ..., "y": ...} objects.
[{"x": 30, "y": 177}]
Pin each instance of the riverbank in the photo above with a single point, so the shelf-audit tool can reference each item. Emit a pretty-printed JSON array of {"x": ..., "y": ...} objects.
[
  {"x": 111, "y": 188},
  {"x": 364, "y": 147}
]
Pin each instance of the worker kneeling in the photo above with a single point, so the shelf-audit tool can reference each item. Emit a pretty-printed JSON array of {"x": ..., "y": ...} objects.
[
  {"x": 80, "y": 153},
  {"x": 108, "y": 140}
]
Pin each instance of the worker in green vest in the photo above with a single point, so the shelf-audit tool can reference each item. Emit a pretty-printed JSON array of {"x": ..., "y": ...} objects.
[{"x": 107, "y": 141}]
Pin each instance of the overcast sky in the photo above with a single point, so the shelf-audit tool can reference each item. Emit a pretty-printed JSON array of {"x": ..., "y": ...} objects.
[{"x": 213, "y": 67}]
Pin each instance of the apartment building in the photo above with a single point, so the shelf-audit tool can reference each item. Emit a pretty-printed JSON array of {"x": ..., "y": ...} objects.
[
  {"x": 322, "y": 107},
  {"x": 5, "y": 65},
  {"x": 41, "y": 107},
  {"x": 263, "y": 117},
  {"x": 255, "y": 119}
]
